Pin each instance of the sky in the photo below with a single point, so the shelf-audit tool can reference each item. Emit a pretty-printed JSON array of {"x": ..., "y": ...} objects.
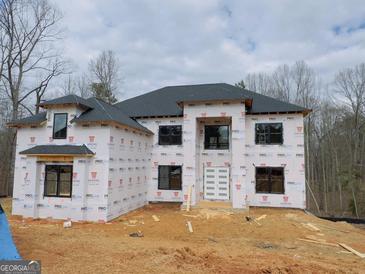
[{"x": 177, "y": 42}]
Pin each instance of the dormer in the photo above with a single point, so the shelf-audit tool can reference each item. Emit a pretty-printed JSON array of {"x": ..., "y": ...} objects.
[{"x": 60, "y": 111}]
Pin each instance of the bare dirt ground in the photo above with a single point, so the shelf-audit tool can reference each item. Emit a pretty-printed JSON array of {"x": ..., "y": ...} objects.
[{"x": 222, "y": 242}]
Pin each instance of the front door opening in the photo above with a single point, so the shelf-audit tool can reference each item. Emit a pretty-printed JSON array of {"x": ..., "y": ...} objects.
[{"x": 216, "y": 183}]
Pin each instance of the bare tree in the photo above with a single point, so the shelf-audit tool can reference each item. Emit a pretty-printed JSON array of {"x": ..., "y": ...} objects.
[
  {"x": 350, "y": 85},
  {"x": 29, "y": 27},
  {"x": 28, "y": 30},
  {"x": 260, "y": 82},
  {"x": 282, "y": 83},
  {"x": 83, "y": 86},
  {"x": 104, "y": 72}
]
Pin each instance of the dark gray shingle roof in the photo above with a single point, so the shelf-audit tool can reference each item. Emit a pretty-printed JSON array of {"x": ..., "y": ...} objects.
[
  {"x": 31, "y": 120},
  {"x": 105, "y": 112},
  {"x": 68, "y": 99},
  {"x": 163, "y": 102},
  {"x": 58, "y": 149}
]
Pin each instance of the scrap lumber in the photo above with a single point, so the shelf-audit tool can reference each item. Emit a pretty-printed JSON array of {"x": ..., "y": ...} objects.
[
  {"x": 261, "y": 217},
  {"x": 190, "y": 227},
  {"x": 190, "y": 216},
  {"x": 313, "y": 227},
  {"x": 314, "y": 238},
  {"x": 349, "y": 248},
  {"x": 155, "y": 218},
  {"x": 318, "y": 242},
  {"x": 256, "y": 222}
]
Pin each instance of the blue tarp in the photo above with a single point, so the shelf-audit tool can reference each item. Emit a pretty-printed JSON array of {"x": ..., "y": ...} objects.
[{"x": 8, "y": 250}]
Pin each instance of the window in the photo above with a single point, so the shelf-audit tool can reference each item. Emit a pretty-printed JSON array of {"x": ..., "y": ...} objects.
[
  {"x": 270, "y": 180},
  {"x": 169, "y": 135},
  {"x": 169, "y": 177},
  {"x": 216, "y": 137},
  {"x": 269, "y": 133},
  {"x": 60, "y": 126},
  {"x": 58, "y": 182}
]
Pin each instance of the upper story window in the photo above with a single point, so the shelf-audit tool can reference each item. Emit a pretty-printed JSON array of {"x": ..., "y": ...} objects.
[
  {"x": 216, "y": 137},
  {"x": 269, "y": 133},
  {"x": 270, "y": 180},
  {"x": 169, "y": 135},
  {"x": 60, "y": 126}
]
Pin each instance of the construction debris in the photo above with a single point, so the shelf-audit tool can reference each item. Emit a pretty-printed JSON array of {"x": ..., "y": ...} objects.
[
  {"x": 251, "y": 219},
  {"x": 361, "y": 255},
  {"x": 266, "y": 245},
  {"x": 261, "y": 217},
  {"x": 138, "y": 234},
  {"x": 67, "y": 224},
  {"x": 311, "y": 227},
  {"x": 190, "y": 227},
  {"x": 155, "y": 218},
  {"x": 191, "y": 216},
  {"x": 318, "y": 242}
]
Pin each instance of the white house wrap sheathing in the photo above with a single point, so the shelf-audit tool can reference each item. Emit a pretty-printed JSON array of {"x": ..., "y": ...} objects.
[
  {"x": 129, "y": 170},
  {"x": 196, "y": 158},
  {"x": 97, "y": 192},
  {"x": 123, "y": 173},
  {"x": 290, "y": 155},
  {"x": 163, "y": 155}
]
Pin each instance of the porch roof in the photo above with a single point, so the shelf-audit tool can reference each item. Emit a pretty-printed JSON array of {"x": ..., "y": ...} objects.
[{"x": 58, "y": 150}]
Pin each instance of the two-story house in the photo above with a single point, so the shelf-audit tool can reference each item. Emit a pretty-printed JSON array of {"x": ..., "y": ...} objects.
[{"x": 84, "y": 159}]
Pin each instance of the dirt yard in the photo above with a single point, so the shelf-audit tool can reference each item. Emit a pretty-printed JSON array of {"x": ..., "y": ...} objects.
[{"x": 222, "y": 242}]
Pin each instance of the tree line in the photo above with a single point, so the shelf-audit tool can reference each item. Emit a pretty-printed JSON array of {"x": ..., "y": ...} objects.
[{"x": 334, "y": 131}]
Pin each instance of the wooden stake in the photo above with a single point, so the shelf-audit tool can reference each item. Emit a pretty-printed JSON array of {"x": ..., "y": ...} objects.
[{"x": 190, "y": 227}]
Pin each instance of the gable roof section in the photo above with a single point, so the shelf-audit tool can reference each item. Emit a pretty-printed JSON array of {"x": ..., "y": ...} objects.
[
  {"x": 262, "y": 104},
  {"x": 164, "y": 101},
  {"x": 28, "y": 121},
  {"x": 104, "y": 112},
  {"x": 58, "y": 150},
  {"x": 71, "y": 99}
]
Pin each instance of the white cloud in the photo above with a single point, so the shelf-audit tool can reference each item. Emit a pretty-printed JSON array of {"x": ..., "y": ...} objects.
[{"x": 181, "y": 42}]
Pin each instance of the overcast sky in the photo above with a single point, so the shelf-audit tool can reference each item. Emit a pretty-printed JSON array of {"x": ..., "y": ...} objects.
[{"x": 176, "y": 42}]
